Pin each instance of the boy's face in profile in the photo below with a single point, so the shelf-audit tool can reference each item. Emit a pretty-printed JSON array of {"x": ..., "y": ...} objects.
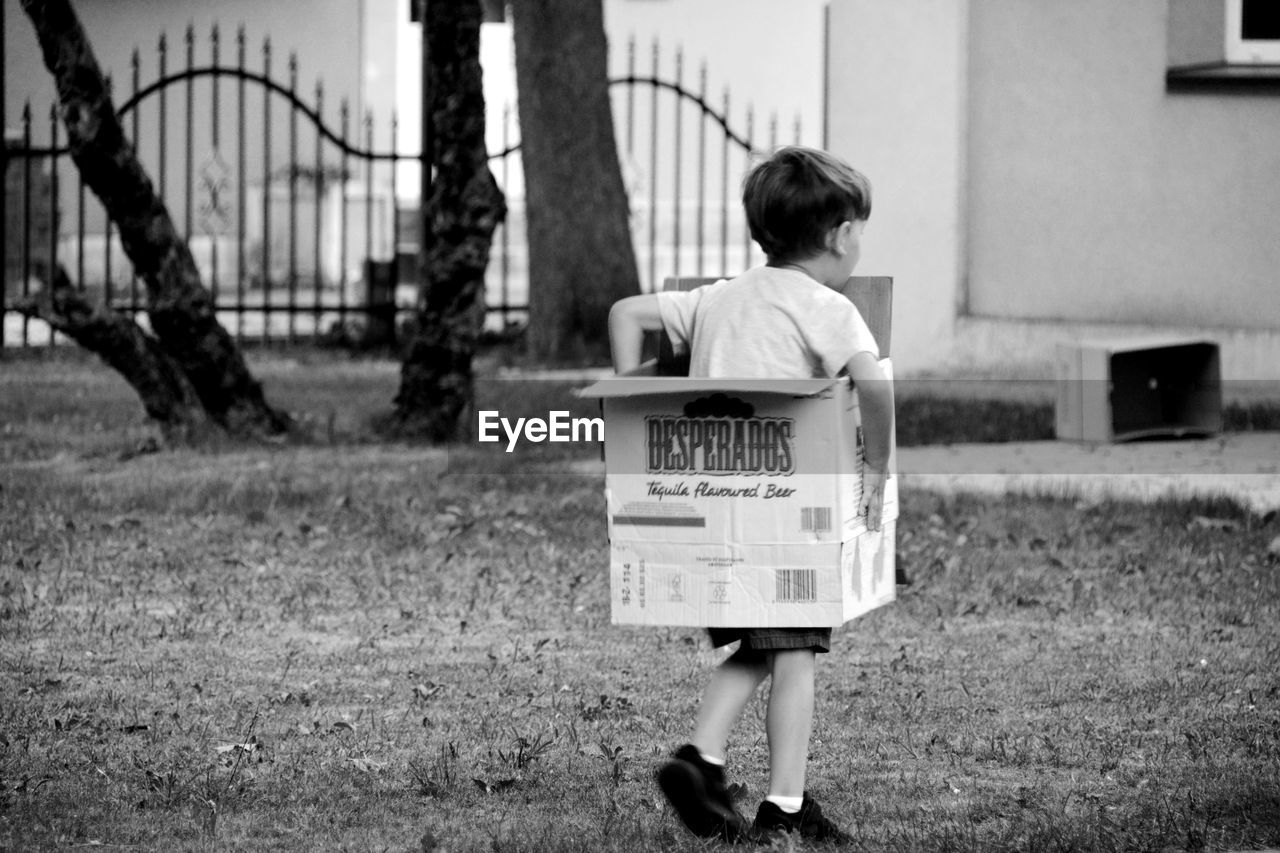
[
  {"x": 847, "y": 248},
  {"x": 854, "y": 245}
]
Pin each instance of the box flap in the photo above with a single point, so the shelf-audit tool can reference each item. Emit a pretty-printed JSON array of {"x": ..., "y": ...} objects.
[{"x": 637, "y": 386}]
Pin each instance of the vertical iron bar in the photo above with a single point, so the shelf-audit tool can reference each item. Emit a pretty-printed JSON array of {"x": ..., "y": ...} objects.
[
  {"x": 293, "y": 197},
  {"x": 318, "y": 179},
  {"x": 53, "y": 202},
  {"x": 395, "y": 213},
  {"x": 773, "y": 132},
  {"x": 826, "y": 71},
  {"x": 163, "y": 50},
  {"x": 427, "y": 153},
  {"x": 702, "y": 166},
  {"x": 367, "y": 266},
  {"x": 191, "y": 123},
  {"x": 342, "y": 214},
  {"x": 631, "y": 96},
  {"x": 25, "y": 266},
  {"x": 137, "y": 141},
  {"x": 724, "y": 194},
  {"x": 80, "y": 229},
  {"x": 215, "y": 116},
  {"x": 751, "y": 147},
  {"x": 631, "y": 124},
  {"x": 266, "y": 195},
  {"x": 241, "y": 182},
  {"x": 136, "y": 65},
  {"x": 4, "y": 186},
  {"x": 653, "y": 176},
  {"x": 506, "y": 225},
  {"x": 675, "y": 201},
  {"x": 795, "y": 135},
  {"x": 368, "y": 193},
  {"x": 108, "y": 286}
]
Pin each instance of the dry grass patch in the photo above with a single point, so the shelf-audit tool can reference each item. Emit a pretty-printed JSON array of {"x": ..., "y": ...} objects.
[{"x": 372, "y": 647}]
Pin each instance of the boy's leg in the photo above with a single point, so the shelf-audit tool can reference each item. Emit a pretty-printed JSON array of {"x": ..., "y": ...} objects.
[
  {"x": 789, "y": 720},
  {"x": 732, "y": 685},
  {"x": 695, "y": 787}
]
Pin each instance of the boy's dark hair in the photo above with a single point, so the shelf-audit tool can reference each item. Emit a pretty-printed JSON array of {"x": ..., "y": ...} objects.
[{"x": 797, "y": 196}]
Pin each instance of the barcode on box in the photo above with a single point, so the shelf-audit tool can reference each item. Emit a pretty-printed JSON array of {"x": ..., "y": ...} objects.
[
  {"x": 815, "y": 519},
  {"x": 797, "y": 584}
]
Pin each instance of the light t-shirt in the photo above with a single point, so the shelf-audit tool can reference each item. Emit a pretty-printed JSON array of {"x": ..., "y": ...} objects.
[{"x": 769, "y": 322}]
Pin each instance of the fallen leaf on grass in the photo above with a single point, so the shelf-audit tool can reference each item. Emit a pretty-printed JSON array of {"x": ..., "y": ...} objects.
[
  {"x": 427, "y": 690},
  {"x": 366, "y": 765},
  {"x": 495, "y": 786},
  {"x": 341, "y": 726},
  {"x": 1273, "y": 550},
  {"x": 226, "y": 748},
  {"x": 1201, "y": 522}
]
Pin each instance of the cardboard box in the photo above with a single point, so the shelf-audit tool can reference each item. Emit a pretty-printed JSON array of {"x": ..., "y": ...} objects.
[
  {"x": 735, "y": 503},
  {"x": 1137, "y": 388}
]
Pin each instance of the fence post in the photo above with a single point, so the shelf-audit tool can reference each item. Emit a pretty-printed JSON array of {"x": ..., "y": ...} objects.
[
  {"x": 4, "y": 186},
  {"x": 380, "y": 299}
]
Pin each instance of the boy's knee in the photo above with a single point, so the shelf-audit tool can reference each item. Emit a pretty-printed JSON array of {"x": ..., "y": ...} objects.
[{"x": 792, "y": 659}]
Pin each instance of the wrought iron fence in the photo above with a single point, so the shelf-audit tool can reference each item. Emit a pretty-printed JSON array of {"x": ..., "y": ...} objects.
[{"x": 296, "y": 221}]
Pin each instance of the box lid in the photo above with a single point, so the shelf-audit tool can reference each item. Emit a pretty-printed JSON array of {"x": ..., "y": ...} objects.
[
  {"x": 1135, "y": 343},
  {"x": 638, "y": 386}
]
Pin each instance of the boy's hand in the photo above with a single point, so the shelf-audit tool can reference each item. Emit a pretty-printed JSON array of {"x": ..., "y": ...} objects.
[{"x": 871, "y": 506}]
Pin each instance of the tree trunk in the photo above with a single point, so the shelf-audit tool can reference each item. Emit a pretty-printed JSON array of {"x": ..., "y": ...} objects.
[
  {"x": 581, "y": 259},
  {"x": 436, "y": 382},
  {"x": 179, "y": 308},
  {"x": 166, "y": 393}
]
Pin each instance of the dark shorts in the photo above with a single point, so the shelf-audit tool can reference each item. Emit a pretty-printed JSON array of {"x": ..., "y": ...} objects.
[{"x": 757, "y": 641}]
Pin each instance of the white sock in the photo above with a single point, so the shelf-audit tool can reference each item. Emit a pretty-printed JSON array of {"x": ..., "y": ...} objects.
[
  {"x": 790, "y": 805},
  {"x": 711, "y": 759}
]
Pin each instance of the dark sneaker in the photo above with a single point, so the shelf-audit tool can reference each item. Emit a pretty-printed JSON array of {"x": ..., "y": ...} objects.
[
  {"x": 808, "y": 823},
  {"x": 697, "y": 791}
]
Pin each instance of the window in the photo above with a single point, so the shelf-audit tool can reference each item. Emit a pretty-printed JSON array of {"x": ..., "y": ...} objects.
[
  {"x": 1224, "y": 42},
  {"x": 1253, "y": 32}
]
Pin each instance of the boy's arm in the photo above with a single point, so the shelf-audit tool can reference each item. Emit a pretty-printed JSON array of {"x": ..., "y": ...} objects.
[
  {"x": 629, "y": 319},
  {"x": 875, "y": 402}
]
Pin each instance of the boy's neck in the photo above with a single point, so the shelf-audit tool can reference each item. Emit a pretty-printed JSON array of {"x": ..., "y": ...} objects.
[{"x": 816, "y": 268}]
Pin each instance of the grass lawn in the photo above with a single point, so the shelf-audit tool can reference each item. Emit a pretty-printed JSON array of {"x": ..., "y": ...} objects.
[{"x": 348, "y": 645}]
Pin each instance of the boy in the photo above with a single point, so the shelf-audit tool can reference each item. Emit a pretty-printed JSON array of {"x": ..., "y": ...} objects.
[{"x": 807, "y": 210}]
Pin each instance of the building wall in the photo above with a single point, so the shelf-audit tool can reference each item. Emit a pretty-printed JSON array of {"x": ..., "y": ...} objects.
[
  {"x": 897, "y": 113},
  {"x": 1036, "y": 182},
  {"x": 1097, "y": 195}
]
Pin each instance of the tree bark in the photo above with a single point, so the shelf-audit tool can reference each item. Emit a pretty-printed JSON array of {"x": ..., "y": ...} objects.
[
  {"x": 436, "y": 381},
  {"x": 581, "y": 259},
  {"x": 166, "y": 393},
  {"x": 179, "y": 308}
]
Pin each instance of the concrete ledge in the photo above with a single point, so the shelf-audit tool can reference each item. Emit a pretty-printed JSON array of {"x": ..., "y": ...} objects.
[{"x": 991, "y": 346}]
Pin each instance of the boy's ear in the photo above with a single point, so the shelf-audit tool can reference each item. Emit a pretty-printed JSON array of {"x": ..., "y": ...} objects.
[{"x": 838, "y": 237}]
